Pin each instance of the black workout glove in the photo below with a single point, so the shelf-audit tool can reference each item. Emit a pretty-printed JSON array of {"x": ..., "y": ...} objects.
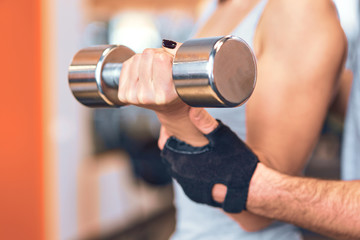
[{"x": 226, "y": 159}]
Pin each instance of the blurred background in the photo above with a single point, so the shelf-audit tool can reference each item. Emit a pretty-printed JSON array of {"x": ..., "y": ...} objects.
[{"x": 69, "y": 172}]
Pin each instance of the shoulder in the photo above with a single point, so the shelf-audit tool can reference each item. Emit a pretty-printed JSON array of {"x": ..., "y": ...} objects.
[
  {"x": 302, "y": 6},
  {"x": 300, "y": 12},
  {"x": 292, "y": 27}
]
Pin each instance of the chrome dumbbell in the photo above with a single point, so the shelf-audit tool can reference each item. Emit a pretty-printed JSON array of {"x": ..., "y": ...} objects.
[{"x": 207, "y": 72}]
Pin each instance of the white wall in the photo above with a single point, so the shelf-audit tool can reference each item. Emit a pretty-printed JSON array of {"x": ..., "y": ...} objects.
[{"x": 66, "y": 125}]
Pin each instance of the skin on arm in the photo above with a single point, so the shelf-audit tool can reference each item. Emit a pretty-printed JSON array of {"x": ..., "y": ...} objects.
[
  {"x": 331, "y": 208},
  {"x": 299, "y": 61}
]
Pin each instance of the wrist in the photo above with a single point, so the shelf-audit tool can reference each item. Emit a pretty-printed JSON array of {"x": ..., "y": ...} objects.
[
  {"x": 257, "y": 183},
  {"x": 261, "y": 188},
  {"x": 177, "y": 123}
]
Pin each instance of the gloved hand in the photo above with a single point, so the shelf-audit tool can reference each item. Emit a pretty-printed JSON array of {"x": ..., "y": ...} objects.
[{"x": 226, "y": 160}]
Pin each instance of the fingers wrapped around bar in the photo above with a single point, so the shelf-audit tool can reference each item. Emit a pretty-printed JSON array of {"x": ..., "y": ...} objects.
[{"x": 146, "y": 80}]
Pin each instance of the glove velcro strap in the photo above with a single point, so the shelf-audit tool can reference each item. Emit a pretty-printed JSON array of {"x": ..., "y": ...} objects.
[{"x": 235, "y": 199}]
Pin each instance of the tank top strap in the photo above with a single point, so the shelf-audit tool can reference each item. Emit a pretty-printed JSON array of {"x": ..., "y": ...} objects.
[
  {"x": 204, "y": 17},
  {"x": 247, "y": 28}
]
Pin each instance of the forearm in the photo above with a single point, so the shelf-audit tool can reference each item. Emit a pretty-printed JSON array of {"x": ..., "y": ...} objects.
[
  {"x": 249, "y": 221},
  {"x": 177, "y": 123},
  {"x": 328, "y": 207}
]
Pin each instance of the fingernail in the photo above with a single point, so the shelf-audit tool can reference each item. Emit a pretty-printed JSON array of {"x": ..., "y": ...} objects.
[{"x": 168, "y": 44}]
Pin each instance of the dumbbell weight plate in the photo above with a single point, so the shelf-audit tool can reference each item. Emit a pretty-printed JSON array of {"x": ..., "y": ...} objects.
[
  {"x": 214, "y": 72},
  {"x": 86, "y": 79}
]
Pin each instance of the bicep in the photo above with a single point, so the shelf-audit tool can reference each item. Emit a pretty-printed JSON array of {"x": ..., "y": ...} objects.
[
  {"x": 285, "y": 114},
  {"x": 299, "y": 61}
]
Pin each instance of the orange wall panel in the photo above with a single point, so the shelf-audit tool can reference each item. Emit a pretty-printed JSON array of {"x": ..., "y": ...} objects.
[{"x": 21, "y": 190}]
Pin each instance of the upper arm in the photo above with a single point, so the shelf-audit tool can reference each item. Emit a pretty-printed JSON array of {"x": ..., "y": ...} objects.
[
  {"x": 301, "y": 52},
  {"x": 299, "y": 61}
]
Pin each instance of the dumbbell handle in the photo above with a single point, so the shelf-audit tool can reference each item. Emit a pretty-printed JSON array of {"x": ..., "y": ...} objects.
[{"x": 111, "y": 74}]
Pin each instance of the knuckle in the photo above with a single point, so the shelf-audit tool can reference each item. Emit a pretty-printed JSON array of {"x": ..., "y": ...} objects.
[
  {"x": 122, "y": 80},
  {"x": 130, "y": 96},
  {"x": 133, "y": 98},
  {"x": 125, "y": 65},
  {"x": 142, "y": 97},
  {"x": 148, "y": 52},
  {"x": 160, "y": 99},
  {"x": 171, "y": 95},
  {"x": 121, "y": 97},
  {"x": 165, "y": 58},
  {"x": 136, "y": 57},
  {"x": 160, "y": 57},
  {"x": 145, "y": 100}
]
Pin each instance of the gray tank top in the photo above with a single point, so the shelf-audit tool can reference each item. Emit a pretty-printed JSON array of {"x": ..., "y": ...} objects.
[
  {"x": 350, "y": 168},
  {"x": 200, "y": 222}
]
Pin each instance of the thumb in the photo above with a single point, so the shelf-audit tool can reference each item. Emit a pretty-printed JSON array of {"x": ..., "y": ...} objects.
[
  {"x": 202, "y": 120},
  {"x": 170, "y": 46},
  {"x": 164, "y": 135}
]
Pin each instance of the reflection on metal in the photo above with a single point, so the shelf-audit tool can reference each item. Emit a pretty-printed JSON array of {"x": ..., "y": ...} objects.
[
  {"x": 85, "y": 75},
  {"x": 214, "y": 72}
]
